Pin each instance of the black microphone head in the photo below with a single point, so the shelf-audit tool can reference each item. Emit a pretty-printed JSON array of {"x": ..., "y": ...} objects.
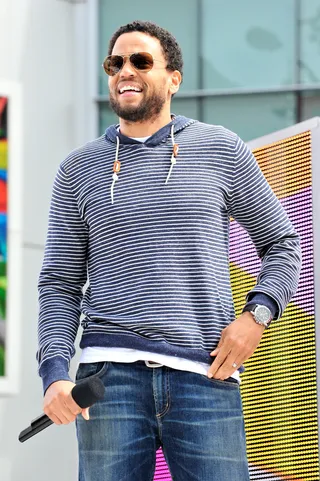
[{"x": 88, "y": 391}]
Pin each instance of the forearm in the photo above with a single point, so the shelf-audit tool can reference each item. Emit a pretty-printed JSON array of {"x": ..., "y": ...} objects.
[
  {"x": 255, "y": 207},
  {"x": 58, "y": 325},
  {"x": 279, "y": 274}
]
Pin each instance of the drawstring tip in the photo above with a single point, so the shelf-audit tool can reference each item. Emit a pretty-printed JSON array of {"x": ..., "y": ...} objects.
[
  {"x": 174, "y": 154},
  {"x": 116, "y": 170},
  {"x": 173, "y": 163},
  {"x": 115, "y": 178}
]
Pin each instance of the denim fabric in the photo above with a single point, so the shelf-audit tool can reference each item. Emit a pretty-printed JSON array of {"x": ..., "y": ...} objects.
[{"x": 197, "y": 421}]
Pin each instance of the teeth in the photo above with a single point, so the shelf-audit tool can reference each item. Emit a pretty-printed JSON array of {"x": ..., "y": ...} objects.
[{"x": 129, "y": 87}]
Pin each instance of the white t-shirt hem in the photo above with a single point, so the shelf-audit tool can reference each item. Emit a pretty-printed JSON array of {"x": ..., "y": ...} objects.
[{"x": 119, "y": 354}]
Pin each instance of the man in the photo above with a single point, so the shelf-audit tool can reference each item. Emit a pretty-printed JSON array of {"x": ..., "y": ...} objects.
[{"x": 143, "y": 214}]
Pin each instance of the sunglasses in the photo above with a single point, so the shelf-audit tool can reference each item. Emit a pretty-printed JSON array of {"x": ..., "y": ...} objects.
[{"x": 142, "y": 61}]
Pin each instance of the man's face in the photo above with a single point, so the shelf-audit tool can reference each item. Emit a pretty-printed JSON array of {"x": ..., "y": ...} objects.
[{"x": 155, "y": 85}]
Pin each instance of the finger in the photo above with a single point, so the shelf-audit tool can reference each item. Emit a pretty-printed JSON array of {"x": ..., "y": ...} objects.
[
  {"x": 65, "y": 419},
  {"x": 57, "y": 416},
  {"x": 219, "y": 360},
  {"x": 215, "y": 352},
  {"x": 73, "y": 407},
  {"x": 54, "y": 419},
  {"x": 85, "y": 414},
  {"x": 62, "y": 412},
  {"x": 228, "y": 368},
  {"x": 225, "y": 368},
  {"x": 217, "y": 349},
  {"x": 70, "y": 416}
]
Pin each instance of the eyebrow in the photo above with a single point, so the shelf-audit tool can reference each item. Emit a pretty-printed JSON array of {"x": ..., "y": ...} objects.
[{"x": 130, "y": 53}]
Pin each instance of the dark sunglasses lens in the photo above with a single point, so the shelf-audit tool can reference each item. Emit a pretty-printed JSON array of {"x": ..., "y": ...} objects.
[
  {"x": 113, "y": 64},
  {"x": 142, "y": 61}
]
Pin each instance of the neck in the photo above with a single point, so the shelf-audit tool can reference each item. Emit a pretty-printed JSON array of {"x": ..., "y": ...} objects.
[{"x": 146, "y": 128}]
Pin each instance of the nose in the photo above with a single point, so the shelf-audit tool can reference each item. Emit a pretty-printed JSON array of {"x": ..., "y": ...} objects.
[{"x": 127, "y": 69}]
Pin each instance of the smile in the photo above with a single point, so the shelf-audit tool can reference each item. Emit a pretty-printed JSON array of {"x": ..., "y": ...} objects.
[{"x": 129, "y": 88}]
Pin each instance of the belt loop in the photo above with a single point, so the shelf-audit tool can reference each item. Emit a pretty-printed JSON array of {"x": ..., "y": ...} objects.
[{"x": 153, "y": 364}]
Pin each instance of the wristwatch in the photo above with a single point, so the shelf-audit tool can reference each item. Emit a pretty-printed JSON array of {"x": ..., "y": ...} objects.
[{"x": 261, "y": 314}]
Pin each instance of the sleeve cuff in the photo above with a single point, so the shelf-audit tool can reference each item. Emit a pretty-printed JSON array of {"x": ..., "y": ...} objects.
[
  {"x": 264, "y": 300},
  {"x": 52, "y": 370}
]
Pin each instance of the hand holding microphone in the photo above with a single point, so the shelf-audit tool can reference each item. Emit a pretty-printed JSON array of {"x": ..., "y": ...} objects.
[
  {"x": 59, "y": 404},
  {"x": 63, "y": 401}
]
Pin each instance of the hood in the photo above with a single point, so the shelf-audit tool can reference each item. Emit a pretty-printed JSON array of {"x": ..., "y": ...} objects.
[
  {"x": 179, "y": 122},
  {"x": 112, "y": 134}
]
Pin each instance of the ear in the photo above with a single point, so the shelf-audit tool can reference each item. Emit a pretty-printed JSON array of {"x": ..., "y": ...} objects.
[{"x": 175, "y": 82}]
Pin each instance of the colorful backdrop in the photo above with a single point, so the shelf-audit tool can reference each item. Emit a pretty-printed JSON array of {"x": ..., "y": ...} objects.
[
  {"x": 3, "y": 227},
  {"x": 279, "y": 386}
]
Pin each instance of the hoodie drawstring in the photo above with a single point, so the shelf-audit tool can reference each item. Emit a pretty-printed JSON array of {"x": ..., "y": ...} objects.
[
  {"x": 117, "y": 163},
  {"x": 174, "y": 153},
  {"x": 116, "y": 169}
]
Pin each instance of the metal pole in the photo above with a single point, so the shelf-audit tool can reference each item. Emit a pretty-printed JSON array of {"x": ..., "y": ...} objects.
[
  {"x": 200, "y": 59},
  {"x": 297, "y": 73}
]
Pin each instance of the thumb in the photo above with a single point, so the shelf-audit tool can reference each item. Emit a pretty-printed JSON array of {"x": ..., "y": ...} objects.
[
  {"x": 215, "y": 352},
  {"x": 85, "y": 414},
  {"x": 217, "y": 349}
]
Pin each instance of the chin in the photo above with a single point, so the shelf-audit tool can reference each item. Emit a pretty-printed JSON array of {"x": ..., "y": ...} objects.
[{"x": 128, "y": 112}]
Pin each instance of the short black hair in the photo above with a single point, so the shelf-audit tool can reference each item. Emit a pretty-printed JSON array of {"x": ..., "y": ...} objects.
[{"x": 171, "y": 49}]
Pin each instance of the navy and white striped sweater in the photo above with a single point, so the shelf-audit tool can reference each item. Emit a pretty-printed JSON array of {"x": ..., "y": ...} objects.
[{"x": 157, "y": 258}]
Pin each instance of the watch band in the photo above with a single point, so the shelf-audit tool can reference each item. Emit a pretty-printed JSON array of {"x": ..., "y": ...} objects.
[{"x": 261, "y": 314}]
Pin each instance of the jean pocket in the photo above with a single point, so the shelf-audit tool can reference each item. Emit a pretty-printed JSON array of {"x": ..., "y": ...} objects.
[
  {"x": 91, "y": 369},
  {"x": 230, "y": 382}
]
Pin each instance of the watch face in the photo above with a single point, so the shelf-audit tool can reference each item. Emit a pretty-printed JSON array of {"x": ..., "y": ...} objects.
[{"x": 262, "y": 314}]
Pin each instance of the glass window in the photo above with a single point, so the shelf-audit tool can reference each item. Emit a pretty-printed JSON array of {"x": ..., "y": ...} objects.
[
  {"x": 187, "y": 107},
  {"x": 310, "y": 105},
  {"x": 251, "y": 116},
  {"x": 310, "y": 41},
  {"x": 248, "y": 43},
  {"x": 179, "y": 17},
  {"x": 245, "y": 44}
]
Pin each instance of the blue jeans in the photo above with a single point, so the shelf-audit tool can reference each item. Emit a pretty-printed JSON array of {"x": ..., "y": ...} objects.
[{"x": 198, "y": 422}]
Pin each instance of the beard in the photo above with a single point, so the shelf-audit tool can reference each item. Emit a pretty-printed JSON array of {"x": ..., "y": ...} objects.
[{"x": 146, "y": 110}]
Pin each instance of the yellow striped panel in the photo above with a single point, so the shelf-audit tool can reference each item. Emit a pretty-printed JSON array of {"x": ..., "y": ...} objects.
[
  {"x": 279, "y": 385},
  {"x": 283, "y": 161}
]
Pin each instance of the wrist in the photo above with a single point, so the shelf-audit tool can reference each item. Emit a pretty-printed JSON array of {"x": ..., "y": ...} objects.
[
  {"x": 248, "y": 317},
  {"x": 261, "y": 314}
]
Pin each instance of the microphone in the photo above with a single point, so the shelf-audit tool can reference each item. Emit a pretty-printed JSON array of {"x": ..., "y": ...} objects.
[{"x": 85, "y": 394}]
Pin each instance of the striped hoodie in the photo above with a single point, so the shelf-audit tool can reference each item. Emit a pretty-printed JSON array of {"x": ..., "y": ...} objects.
[{"x": 153, "y": 243}]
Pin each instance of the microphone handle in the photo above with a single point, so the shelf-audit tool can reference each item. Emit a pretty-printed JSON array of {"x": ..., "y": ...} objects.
[{"x": 36, "y": 426}]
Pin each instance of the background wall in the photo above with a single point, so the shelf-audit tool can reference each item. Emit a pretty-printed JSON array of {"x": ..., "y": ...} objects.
[{"x": 39, "y": 43}]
